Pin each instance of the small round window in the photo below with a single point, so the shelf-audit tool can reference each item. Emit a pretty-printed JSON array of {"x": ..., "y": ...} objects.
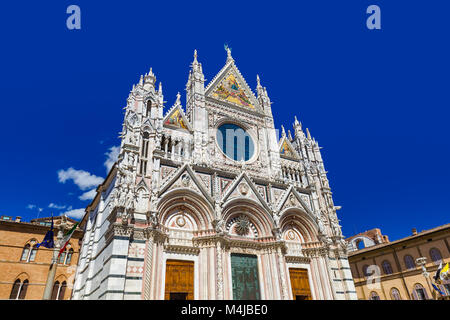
[{"x": 235, "y": 142}]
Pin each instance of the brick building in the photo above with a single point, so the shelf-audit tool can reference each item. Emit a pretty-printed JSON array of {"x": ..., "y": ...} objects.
[
  {"x": 366, "y": 239},
  {"x": 24, "y": 268},
  {"x": 400, "y": 275}
]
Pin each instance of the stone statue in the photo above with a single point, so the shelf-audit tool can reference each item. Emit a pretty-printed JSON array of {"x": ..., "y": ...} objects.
[
  {"x": 129, "y": 201},
  {"x": 131, "y": 159},
  {"x": 321, "y": 226}
]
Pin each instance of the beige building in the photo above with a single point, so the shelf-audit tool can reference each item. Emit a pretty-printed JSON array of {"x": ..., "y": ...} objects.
[
  {"x": 400, "y": 276},
  {"x": 24, "y": 268}
]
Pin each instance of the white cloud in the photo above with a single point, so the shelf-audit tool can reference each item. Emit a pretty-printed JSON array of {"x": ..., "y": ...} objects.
[
  {"x": 40, "y": 209},
  {"x": 75, "y": 213},
  {"x": 31, "y": 206},
  {"x": 55, "y": 206},
  {"x": 112, "y": 154},
  {"x": 89, "y": 195},
  {"x": 83, "y": 179}
]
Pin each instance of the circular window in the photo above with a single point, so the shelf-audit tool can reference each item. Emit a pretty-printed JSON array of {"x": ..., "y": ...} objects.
[{"x": 235, "y": 142}]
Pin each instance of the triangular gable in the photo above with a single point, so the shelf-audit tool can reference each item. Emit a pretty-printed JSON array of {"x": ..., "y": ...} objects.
[
  {"x": 287, "y": 150},
  {"x": 186, "y": 178},
  {"x": 147, "y": 126},
  {"x": 276, "y": 194},
  {"x": 176, "y": 119},
  {"x": 142, "y": 184},
  {"x": 224, "y": 184},
  {"x": 243, "y": 186},
  {"x": 230, "y": 86},
  {"x": 292, "y": 199},
  {"x": 206, "y": 180}
]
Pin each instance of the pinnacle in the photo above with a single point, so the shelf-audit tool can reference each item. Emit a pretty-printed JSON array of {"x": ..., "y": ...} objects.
[
  {"x": 228, "y": 50},
  {"x": 258, "y": 81}
]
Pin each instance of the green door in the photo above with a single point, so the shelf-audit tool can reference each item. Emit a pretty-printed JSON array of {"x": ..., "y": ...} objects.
[{"x": 244, "y": 272}]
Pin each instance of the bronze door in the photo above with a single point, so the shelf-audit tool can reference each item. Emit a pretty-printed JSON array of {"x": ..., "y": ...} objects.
[
  {"x": 179, "y": 280},
  {"x": 244, "y": 272},
  {"x": 300, "y": 284}
]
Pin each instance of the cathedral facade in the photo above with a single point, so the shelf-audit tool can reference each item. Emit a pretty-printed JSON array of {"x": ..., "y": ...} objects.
[{"x": 206, "y": 202}]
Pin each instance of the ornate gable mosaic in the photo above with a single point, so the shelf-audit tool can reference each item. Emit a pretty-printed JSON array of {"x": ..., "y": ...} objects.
[
  {"x": 286, "y": 150},
  {"x": 176, "y": 120},
  {"x": 230, "y": 90}
]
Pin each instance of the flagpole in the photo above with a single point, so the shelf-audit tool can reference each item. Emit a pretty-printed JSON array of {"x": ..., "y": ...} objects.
[{"x": 52, "y": 270}]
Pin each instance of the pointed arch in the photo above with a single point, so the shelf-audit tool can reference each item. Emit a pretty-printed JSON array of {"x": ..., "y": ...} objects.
[
  {"x": 20, "y": 286},
  {"x": 142, "y": 197}
]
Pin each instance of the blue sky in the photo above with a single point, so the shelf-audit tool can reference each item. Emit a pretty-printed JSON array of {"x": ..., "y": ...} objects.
[{"x": 377, "y": 101}]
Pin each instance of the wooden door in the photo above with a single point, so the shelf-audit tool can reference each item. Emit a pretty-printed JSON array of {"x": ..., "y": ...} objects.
[
  {"x": 179, "y": 280},
  {"x": 300, "y": 284},
  {"x": 244, "y": 273}
]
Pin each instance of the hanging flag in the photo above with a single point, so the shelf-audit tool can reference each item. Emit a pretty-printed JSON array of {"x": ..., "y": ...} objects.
[
  {"x": 438, "y": 272},
  {"x": 66, "y": 238},
  {"x": 48, "y": 238},
  {"x": 444, "y": 272},
  {"x": 437, "y": 289}
]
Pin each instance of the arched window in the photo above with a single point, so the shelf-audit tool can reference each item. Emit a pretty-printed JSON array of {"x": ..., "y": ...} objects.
[
  {"x": 15, "y": 289},
  {"x": 25, "y": 252},
  {"x": 409, "y": 262},
  {"x": 395, "y": 294},
  {"x": 360, "y": 244},
  {"x": 387, "y": 268},
  {"x": 366, "y": 273},
  {"x": 62, "y": 257},
  {"x": 69, "y": 256},
  {"x": 58, "y": 290},
  {"x": 29, "y": 252},
  {"x": 19, "y": 290},
  {"x": 374, "y": 296},
  {"x": 419, "y": 292},
  {"x": 435, "y": 255},
  {"x": 62, "y": 290},
  {"x": 149, "y": 106},
  {"x": 55, "y": 290},
  {"x": 23, "y": 290},
  {"x": 33, "y": 253}
]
